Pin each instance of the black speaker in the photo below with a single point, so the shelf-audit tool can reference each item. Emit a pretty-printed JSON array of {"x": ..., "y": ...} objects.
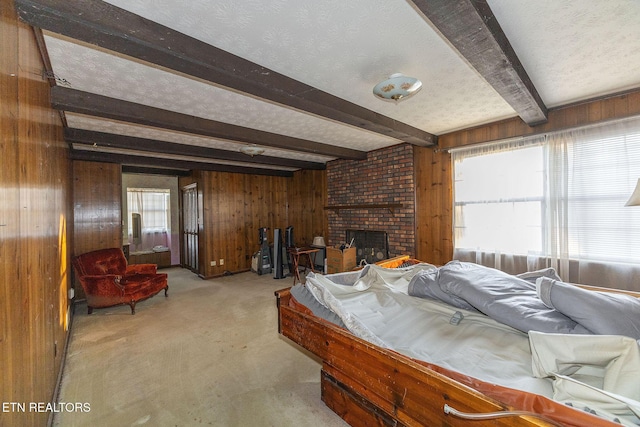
[
  {"x": 264, "y": 261},
  {"x": 278, "y": 266},
  {"x": 288, "y": 237},
  {"x": 289, "y": 243}
]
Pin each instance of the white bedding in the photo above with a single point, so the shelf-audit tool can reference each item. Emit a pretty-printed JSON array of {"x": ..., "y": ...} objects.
[{"x": 376, "y": 307}]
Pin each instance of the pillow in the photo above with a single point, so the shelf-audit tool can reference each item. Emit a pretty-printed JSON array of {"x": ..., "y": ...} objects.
[{"x": 602, "y": 313}]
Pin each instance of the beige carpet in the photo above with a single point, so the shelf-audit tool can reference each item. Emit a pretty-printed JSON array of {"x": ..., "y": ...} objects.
[{"x": 209, "y": 354}]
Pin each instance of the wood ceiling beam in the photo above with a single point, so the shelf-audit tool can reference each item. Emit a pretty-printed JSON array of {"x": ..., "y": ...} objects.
[
  {"x": 102, "y": 24},
  {"x": 110, "y": 140},
  {"x": 471, "y": 27},
  {"x": 170, "y": 164},
  {"x": 102, "y": 106},
  {"x": 155, "y": 171}
]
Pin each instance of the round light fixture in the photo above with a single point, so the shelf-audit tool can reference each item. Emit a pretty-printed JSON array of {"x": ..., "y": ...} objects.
[{"x": 397, "y": 87}]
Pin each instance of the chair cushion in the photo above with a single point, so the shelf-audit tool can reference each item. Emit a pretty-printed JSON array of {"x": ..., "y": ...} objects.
[
  {"x": 101, "y": 262},
  {"x": 138, "y": 286}
]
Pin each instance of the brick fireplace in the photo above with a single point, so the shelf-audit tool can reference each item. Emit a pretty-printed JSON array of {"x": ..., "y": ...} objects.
[{"x": 376, "y": 194}]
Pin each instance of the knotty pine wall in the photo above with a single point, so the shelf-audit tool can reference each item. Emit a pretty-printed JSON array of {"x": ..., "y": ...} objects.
[
  {"x": 35, "y": 227},
  {"x": 434, "y": 205},
  {"x": 236, "y": 205},
  {"x": 97, "y": 209}
]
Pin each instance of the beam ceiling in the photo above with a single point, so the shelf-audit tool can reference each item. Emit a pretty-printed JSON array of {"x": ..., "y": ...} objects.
[
  {"x": 115, "y": 29},
  {"x": 158, "y": 162},
  {"x": 109, "y": 140},
  {"x": 471, "y": 27},
  {"x": 102, "y": 106}
]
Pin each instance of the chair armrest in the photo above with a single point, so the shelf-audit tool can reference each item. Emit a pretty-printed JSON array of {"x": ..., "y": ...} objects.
[
  {"x": 141, "y": 269},
  {"x": 102, "y": 285}
]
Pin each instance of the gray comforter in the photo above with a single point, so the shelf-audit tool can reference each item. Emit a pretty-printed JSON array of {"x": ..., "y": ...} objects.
[{"x": 535, "y": 301}]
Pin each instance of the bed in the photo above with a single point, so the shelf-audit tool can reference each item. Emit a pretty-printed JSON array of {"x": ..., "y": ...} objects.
[{"x": 369, "y": 384}]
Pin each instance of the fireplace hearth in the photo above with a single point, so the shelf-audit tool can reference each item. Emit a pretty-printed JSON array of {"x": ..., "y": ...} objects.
[{"x": 372, "y": 246}]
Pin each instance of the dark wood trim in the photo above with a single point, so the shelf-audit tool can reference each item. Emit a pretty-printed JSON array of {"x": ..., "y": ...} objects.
[
  {"x": 597, "y": 110},
  {"x": 171, "y": 164},
  {"x": 99, "y": 23},
  {"x": 155, "y": 171},
  {"x": 102, "y": 139},
  {"x": 102, "y": 106},
  {"x": 471, "y": 27},
  {"x": 48, "y": 68}
]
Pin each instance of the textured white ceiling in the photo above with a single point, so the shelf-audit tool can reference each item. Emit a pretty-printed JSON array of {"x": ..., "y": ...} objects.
[
  {"x": 572, "y": 50},
  {"x": 110, "y": 75},
  {"x": 344, "y": 48}
]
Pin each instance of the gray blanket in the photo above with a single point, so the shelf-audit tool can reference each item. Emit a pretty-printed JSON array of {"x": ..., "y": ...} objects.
[{"x": 508, "y": 299}]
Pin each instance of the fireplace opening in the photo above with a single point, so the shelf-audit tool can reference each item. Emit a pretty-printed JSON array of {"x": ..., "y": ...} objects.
[{"x": 372, "y": 246}]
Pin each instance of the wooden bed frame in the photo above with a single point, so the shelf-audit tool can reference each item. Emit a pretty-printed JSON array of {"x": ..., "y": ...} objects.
[{"x": 371, "y": 386}]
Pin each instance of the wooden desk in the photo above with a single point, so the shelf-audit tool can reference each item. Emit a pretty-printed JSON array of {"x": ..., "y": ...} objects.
[{"x": 295, "y": 260}]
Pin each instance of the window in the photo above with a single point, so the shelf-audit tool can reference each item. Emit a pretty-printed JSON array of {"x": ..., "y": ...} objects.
[
  {"x": 560, "y": 195},
  {"x": 499, "y": 201},
  {"x": 154, "y": 207}
]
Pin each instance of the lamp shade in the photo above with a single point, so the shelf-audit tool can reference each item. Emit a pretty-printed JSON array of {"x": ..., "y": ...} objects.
[
  {"x": 634, "y": 200},
  {"x": 397, "y": 87},
  {"x": 318, "y": 241}
]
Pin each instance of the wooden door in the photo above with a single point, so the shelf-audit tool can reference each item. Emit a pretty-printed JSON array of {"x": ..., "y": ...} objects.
[{"x": 190, "y": 227}]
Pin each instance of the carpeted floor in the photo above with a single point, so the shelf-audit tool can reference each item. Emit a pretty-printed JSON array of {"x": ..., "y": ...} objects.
[{"x": 209, "y": 354}]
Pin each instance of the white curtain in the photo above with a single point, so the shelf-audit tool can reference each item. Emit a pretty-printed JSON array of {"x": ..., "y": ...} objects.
[
  {"x": 498, "y": 192},
  {"x": 562, "y": 207},
  {"x": 599, "y": 238},
  {"x": 154, "y": 208}
]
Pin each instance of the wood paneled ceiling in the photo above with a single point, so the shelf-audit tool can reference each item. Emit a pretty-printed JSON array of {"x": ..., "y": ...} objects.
[{"x": 172, "y": 86}]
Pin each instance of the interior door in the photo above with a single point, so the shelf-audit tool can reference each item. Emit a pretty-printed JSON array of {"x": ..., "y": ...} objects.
[{"x": 190, "y": 227}]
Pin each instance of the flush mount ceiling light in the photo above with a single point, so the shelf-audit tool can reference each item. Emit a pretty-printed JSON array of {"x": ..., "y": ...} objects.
[
  {"x": 397, "y": 87},
  {"x": 251, "y": 150}
]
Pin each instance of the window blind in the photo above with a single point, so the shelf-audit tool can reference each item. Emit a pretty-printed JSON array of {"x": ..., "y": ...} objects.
[{"x": 559, "y": 194}]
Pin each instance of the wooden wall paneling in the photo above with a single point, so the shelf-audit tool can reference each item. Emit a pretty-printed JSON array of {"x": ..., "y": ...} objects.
[
  {"x": 580, "y": 114},
  {"x": 97, "y": 189},
  {"x": 279, "y": 200},
  {"x": 252, "y": 220},
  {"x": 434, "y": 215},
  {"x": 307, "y": 197},
  {"x": 97, "y": 208},
  {"x": 223, "y": 223},
  {"x": 235, "y": 207},
  {"x": 12, "y": 346},
  {"x": 35, "y": 183},
  {"x": 208, "y": 231},
  {"x": 234, "y": 251},
  {"x": 33, "y": 226}
]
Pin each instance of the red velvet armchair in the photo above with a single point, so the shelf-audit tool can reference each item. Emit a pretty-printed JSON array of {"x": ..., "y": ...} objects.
[{"x": 107, "y": 280}]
